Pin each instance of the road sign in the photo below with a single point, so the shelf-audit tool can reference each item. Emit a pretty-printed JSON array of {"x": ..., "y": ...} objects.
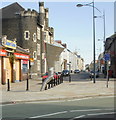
[{"x": 107, "y": 56}]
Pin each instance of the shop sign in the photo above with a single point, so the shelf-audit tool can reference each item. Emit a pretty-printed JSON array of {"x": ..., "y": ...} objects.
[
  {"x": 25, "y": 61},
  {"x": 21, "y": 56},
  {"x": 3, "y": 52},
  {"x": 9, "y": 43}
]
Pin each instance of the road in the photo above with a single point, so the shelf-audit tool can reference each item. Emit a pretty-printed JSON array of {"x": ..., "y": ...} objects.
[
  {"x": 82, "y": 76},
  {"x": 70, "y": 109}
]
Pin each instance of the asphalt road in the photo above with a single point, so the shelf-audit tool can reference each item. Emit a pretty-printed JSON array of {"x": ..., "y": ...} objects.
[
  {"x": 82, "y": 76},
  {"x": 99, "y": 107}
]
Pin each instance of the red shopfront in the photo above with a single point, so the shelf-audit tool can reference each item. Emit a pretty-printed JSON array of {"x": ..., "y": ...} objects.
[
  {"x": 3, "y": 54},
  {"x": 21, "y": 66}
]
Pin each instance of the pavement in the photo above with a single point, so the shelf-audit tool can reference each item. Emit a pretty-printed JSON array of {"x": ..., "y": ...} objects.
[{"x": 63, "y": 91}]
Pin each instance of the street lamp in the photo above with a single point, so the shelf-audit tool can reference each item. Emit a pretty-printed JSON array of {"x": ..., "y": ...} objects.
[{"x": 92, "y": 5}]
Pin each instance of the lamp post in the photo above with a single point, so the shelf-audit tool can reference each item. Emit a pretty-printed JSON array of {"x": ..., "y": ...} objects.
[{"x": 89, "y": 4}]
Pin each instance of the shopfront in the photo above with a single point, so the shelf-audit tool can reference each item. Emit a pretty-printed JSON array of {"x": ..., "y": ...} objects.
[
  {"x": 21, "y": 65},
  {"x": 3, "y": 55},
  {"x": 14, "y": 62}
]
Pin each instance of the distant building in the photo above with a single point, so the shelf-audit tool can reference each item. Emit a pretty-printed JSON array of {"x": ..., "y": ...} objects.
[{"x": 110, "y": 47}]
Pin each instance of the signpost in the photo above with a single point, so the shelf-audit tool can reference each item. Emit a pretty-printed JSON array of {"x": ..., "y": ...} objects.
[{"x": 107, "y": 58}]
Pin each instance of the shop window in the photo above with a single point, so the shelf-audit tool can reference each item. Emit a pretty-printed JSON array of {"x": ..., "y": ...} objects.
[{"x": 25, "y": 68}]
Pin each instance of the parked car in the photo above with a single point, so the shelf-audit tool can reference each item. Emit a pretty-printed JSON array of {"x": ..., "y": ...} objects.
[
  {"x": 55, "y": 75},
  {"x": 76, "y": 71},
  {"x": 92, "y": 74},
  {"x": 65, "y": 72}
]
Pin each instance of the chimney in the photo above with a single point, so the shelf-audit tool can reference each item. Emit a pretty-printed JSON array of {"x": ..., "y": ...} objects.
[
  {"x": 41, "y": 13},
  {"x": 41, "y": 7},
  {"x": 47, "y": 17},
  {"x": 64, "y": 45}
]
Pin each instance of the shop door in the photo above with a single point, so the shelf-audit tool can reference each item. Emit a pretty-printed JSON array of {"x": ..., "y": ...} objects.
[
  {"x": 9, "y": 69},
  {"x": 17, "y": 63}
]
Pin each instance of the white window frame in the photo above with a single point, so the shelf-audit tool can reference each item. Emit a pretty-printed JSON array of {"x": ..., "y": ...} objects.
[
  {"x": 34, "y": 37},
  {"x": 38, "y": 33},
  {"x": 34, "y": 55},
  {"x": 38, "y": 49},
  {"x": 38, "y": 65},
  {"x": 27, "y": 38}
]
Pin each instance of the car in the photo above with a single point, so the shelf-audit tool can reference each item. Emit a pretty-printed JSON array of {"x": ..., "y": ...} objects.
[
  {"x": 65, "y": 72},
  {"x": 55, "y": 75},
  {"x": 76, "y": 71},
  {"x": 92, "y": 74}
]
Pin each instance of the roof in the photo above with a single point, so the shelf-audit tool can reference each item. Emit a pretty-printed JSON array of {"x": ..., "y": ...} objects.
[
  {"x": 10, "y": 11},
  {"x": 109, "y": 41}
]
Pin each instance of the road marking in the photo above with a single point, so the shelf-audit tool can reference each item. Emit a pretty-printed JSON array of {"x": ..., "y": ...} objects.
[
  {"x": 101, "y": 113},
  {"x": 85, "y": 110},
  {"x": 49, "y": 114},
  {"x": 89, "y": 110},
  {"x": 78, "y": 117}
]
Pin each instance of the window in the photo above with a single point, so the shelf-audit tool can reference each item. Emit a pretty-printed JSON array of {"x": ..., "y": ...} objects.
[
  {"x": 34, "y": 37},
  {"x": 45, "y": 36},
  {"x": 34, "y": 55},
  {"x": 25, "y": 68},
  {"x": 38, "y": 65},
  {"x": 38, "y": 49},
  {"x": 38, "y": 33},
  {"x": 26, "y": 35}
]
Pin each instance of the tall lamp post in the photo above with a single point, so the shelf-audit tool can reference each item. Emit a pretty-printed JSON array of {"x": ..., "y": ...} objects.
[{"x": 92, "y": 5}]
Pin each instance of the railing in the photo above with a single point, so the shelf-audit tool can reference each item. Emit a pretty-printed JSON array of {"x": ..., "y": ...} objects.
[{"x": 51, "y": 81}]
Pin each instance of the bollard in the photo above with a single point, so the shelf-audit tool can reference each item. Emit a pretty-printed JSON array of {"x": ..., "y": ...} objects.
[
  {"x": 8, "y": 87},
  {"x": 69, "y": 78},
  {"x": 27, "y": 84},
  {"x": 49, "y": 85},
  {"x": 61, "y": 78},
  {"x": 54, "y": 81}
]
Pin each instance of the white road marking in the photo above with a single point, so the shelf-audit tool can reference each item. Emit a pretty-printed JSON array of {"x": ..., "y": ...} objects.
[
  {"x": 89, "y": 110},
  {"x": 85, "y": 110},
  {"x": 102, "y": 113},
  {"x": 49, "y": 114},
  {"x": 78, "y": 117}
]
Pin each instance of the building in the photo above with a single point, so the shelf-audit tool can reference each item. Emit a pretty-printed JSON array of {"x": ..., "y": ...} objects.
[
  {"x": 14, "y": 61},
  {"x": 68, "y": 60},
  {"x": 101, "y": 62},
  {"x": 110, "y": 47},
  {"x": 32, "y": 31}
]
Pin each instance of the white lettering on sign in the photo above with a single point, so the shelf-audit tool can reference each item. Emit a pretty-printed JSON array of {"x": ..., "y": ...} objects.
[{"x": 21, "y": 56}]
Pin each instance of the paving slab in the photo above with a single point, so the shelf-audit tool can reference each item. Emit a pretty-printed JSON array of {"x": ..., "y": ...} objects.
[{"x": 66, "y": 90}]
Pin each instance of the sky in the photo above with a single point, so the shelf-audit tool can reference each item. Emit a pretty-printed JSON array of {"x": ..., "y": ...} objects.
[{"x": 73, "y": 25}]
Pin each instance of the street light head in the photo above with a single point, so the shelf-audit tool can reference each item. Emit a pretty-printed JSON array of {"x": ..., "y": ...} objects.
[{"x": 79, "y": 5}]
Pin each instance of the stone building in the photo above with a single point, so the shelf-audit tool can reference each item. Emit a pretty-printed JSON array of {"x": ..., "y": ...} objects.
[{"x": 31, "y": 30}]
